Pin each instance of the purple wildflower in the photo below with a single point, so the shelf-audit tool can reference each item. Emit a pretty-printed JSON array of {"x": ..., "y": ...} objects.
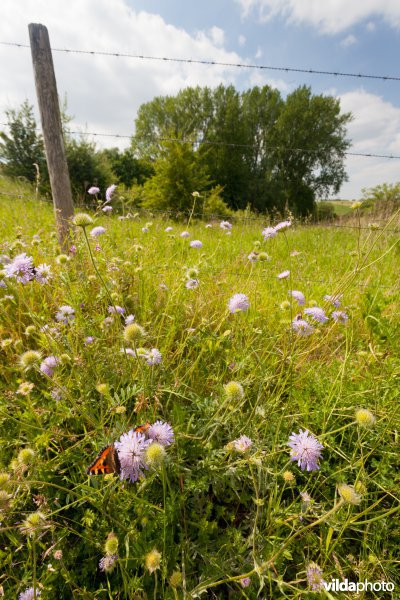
[
  {"x": 245, "y": 582},
  {"x": 3, "y": 284},
  {"x": 89, "y": 340},
  {"x": 238, "y": 303},
  {"x": 168, "y": 229},
  {"x": 21, "y": 268},
  {"x": 298, "y": 296},
  {"x": 269, "y": 232},
  {"x": 283, "y": 275},
  {"x": 340, "y": 316},
  {"x": 192, "y": 284},
  {"x": 109, "y": 192},
  {"x": 225, "y": 225},
  {"x": 130, "y": 450},
  {"x": 145, "y": 229},
  {"x": 161, "y": 432},
  {"x": 306, "y": 450},
  {"x": 317, "y": 314},
  {"x": 107, "y": 563},
  {"x": 253, "y": 257},
  {"x": 283, "y": 225},
  {"x": 96, "y": 231},
  {"x": 116, "y": 309},
  {"x": 242, "y": 444},
  {"x": 314, "y": 577},
  {"x": 302, "y": 327},
  {"x": 153, "y": 357},
  {"x": 185, "y": 234},
  {"x": 196, "y": 244},
  {"x": 93, "y": 190},
  {"x": 65, "y": 314},
  {"x": 29, "y": 594},
  {"x": 129, "y": 319},
  {"x": 335, "y": 300},
  {"x": 106, "y": 209},
  {"x": 43, "y": 274},
  {"x": 48, "y": 365},
  {"x": 72, "y": 249}
]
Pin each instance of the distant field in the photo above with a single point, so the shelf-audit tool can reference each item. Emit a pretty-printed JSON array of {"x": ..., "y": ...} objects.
[
  {"x": 208, "y": 345},
  {"x": 342, "y": 207}
]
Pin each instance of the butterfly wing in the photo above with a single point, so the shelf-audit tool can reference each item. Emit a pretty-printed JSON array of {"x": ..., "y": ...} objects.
[
  {"x": 106, "y": 461},
  {"x": 142, "y": 428}
]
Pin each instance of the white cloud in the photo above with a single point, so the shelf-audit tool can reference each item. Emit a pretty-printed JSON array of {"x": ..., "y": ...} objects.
[
  {"x": 349, "y": 40},
  {"x": 374, "y": 130},
  {"x": 241, "y": 40},
  {"x": 104, "y": 93},
  {"x": 259, "y": 53},
  {"x": 258, "y": 78},
  {"x": 328, "y": 16},
  {"x": 370, "y": 26}
]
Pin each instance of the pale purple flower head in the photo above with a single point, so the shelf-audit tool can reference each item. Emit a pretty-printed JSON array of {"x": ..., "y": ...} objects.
[
  {"x": 245, "y": 582},
  {"x": 238, "y": 303},
  {"x": 107, "y": 563},
  {"x": 253, "y": 257},
  {"x": 89, "y": 340},
  {"x": 302, "y": 327},
  {"x": 116, "y": 309},
  {"x": 269, "y": 232},
  {"x": 72, "y": 249},
  {"x": 131, "y": 448},
  {"x": 145, "y": 229},
  {"x": 96, "y": 231},
  {"x": 93, "y": 190},
  {"x": 314, "y": 577},
  {"x": 153, "y": 357},
  {"x": 168, "y": 229},
  {"x": 109, "y": 192},
  {"x": 185, "y": 234},
  {"x": 283, "y": 225},
  {"x": 208, "y": 226},
  {"x": 129, "y": 319},
  {"x": 43, "y": 274},
  {"x": 335, "y": 300},
  {"x": 196, "y": 244},
  {"x": 65, "y": 314},
  {"x": 29, "y": 594},
  {"x": 340, "y": 316},
  {"x": 107, "y": 209},
  {"x": 21, "y": 267},
  {"x": 283, "y": 275},
  {"x": 298, "y": 296},
  {"x": 161, "y": 432},
  {"x": 192, "y": 284},
  {"x": 242, "y": 444},
  {"x": 48, "y": 365},
  {"x": 306, "y": 450},
  {"x": 317, "y": 314},
  {"x": 225, "y": 225},
  {"x": 3, "y": 284}
]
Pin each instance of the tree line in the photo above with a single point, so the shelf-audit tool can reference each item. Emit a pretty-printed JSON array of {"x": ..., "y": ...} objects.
[{"x": 251, "y": 148}]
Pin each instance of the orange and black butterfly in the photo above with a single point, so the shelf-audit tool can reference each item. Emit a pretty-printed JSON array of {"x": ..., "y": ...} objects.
[{"x": 107, "y": 460}]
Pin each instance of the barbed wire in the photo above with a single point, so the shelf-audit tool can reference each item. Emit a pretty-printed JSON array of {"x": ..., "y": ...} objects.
[
  {"x": 214, "y": 63},
  {"x": 198, "y": 142}
]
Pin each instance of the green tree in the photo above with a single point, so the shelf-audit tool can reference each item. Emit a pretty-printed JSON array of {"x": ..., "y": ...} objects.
[
  {"x": 22, "y": 147},
  {"x": 87, "y": 167},
  {"x": 263, "y": 150},
  {"x": 178, "y": 173},
  {"x": 127, "y": 168}
]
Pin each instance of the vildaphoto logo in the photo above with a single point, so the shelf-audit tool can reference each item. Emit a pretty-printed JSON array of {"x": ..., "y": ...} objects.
[{"x": 336, "y": 585}]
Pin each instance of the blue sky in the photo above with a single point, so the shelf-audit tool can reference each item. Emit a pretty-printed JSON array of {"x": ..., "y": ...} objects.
[{"x": 104, "y": 93}]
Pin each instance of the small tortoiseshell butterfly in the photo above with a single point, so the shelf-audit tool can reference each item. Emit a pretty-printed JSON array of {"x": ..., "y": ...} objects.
[{"x": 107, "y": 460}]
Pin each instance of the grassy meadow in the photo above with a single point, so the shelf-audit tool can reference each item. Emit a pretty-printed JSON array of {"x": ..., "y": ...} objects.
[{"x": 215, "y": 515}]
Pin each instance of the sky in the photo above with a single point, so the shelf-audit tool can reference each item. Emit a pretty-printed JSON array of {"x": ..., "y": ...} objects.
[{"x": 104, "y": 92}]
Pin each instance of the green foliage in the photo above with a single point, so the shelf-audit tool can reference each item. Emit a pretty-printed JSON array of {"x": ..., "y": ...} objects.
[
  {"x": 128, "y": 169},
  {"x": 178, "y": 173},
  {"x": 214, "y": 206},
  {"x": 22, "y": 147},
  {"x": 213, "y": 513},
  {"x": 263, "y": 150},
  {"x": 324, "y": 211},
  {"x": 87, "y": 167}
]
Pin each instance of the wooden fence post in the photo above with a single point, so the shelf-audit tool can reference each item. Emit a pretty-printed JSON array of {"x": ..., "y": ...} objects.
[{"x": 46, "y": 91}]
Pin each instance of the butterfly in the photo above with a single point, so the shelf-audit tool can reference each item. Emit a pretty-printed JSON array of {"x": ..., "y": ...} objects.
[{"x": 107, "y": 460}]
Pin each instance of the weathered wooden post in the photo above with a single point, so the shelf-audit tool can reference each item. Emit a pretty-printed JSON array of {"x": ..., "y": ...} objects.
[{"x": 46, "y": 91}]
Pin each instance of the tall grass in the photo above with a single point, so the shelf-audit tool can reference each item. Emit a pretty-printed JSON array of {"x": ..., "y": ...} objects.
[{"x": 215, "y": 516}]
